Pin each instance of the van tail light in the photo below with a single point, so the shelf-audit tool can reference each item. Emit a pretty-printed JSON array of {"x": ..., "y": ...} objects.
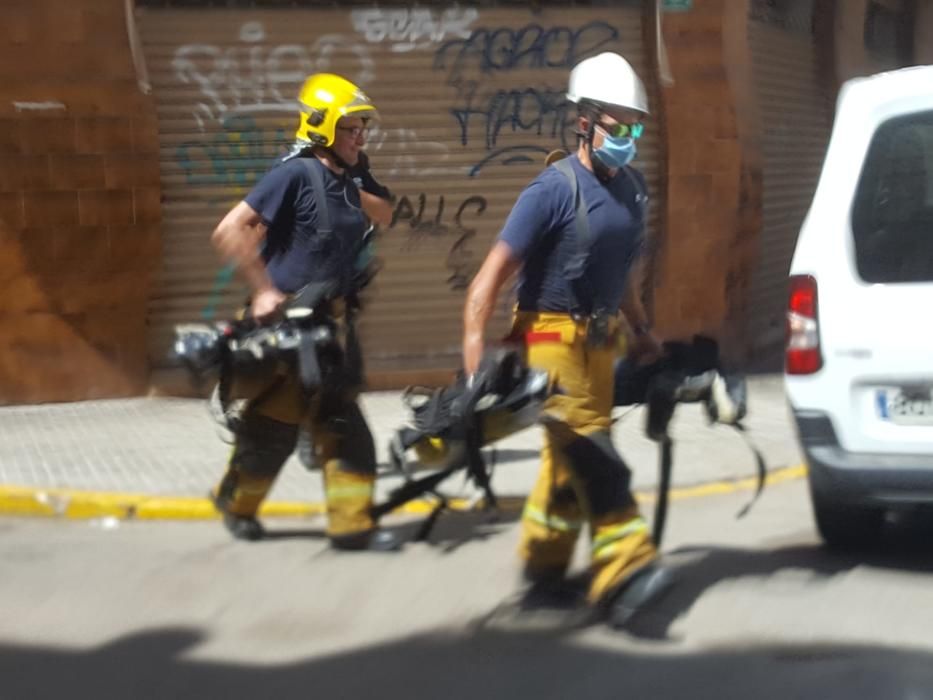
[{"x": 802, "y": 354}]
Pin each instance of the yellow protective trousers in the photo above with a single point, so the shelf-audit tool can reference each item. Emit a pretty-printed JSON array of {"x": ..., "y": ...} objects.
[
  {"x": 582, "y": 480},
  {"x": 342, "y": 442}
]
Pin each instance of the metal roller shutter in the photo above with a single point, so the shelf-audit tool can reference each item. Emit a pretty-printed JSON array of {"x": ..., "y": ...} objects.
[
  {"x": 470, "y": 101},
  {"x": 796, "y": 117}
]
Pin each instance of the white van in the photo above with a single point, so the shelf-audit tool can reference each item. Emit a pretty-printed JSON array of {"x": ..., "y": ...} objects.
[{"x": 859, "y": 354}]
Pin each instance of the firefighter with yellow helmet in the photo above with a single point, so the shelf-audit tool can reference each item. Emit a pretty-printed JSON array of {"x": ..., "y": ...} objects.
[
  {"x": 574, "y": 236},
  {"x": 279, "y": 241}
]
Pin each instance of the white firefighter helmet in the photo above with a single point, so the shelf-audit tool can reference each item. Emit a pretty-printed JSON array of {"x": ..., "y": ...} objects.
[{"x": 607, "y": 79}]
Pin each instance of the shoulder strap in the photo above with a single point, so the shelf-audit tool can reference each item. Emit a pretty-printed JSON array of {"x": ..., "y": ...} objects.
[
  {"x": 584, "y": 240},
  {"x": 320, "y": 194},
  {"x": 579, "y": 292}
]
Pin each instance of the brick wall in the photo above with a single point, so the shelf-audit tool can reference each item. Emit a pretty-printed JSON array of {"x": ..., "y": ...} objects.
[
  {"x": 79, "y": 203},
  {"x": 713, "y": 175}
]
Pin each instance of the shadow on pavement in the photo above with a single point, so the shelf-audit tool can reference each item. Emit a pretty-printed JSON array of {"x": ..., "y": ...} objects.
[
  {"x": 156, "y": 664},
  {"x": 904, "y": 547},
  {"x": 451, "y": 530}
]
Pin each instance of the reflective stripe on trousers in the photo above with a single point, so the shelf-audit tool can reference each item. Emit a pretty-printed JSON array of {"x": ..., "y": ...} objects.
[
  {"x": 606, "y": 538},
  {"x": 552, "y": 522}
]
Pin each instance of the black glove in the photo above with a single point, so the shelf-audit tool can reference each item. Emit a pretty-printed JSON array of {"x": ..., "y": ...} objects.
[{"x": 363, "y": 177}]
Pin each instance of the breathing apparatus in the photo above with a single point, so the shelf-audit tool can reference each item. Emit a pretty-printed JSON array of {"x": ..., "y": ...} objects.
[
  {"x": 686, "y": 373},
  {"x": 451, "y": 425},
  {"x": 247, "y": 360}
]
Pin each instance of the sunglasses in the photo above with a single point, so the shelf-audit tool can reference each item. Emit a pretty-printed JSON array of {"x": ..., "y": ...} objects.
[
  {"x": 619, "y": 131},
  {"x": 355, "y": 131}
]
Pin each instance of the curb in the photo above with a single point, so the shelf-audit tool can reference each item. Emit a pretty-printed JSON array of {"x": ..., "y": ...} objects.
[
  {"x": 86, "y": 505},
  {"x": 70, "y": 504}
]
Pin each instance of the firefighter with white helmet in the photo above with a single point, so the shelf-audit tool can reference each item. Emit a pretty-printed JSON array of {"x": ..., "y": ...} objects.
[
  {"x": 575, "y": 236},
  {"x": 305, "y": 223}
]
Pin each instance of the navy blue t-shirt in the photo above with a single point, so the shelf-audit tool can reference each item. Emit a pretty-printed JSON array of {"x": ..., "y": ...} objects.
[
  {"x": 541, "y": 232},
  {"x": 296, "y": 252}
]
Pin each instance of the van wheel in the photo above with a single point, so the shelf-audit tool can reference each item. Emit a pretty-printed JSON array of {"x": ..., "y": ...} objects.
[{"x": 844, "y": 526}]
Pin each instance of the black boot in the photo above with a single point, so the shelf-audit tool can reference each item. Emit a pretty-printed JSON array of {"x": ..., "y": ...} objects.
[
  {"x": 544, "y": 606},
  {"x": 564, "y": 598},
  {"x": 552, "y": 590},
  {"x": 643, "y": 588},
  {"x": 244, "y": 528},
  {"x": 371, "y": 541}
]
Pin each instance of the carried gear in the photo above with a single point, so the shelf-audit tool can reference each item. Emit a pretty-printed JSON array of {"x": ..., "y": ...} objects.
[
  {"x": 607, "y": 80},
  {"x": 686, "y": 373},
  {"x": 451, "y": 425},
  {"x": 249, "y": 361},
  {"x": 324, "y": 99}
]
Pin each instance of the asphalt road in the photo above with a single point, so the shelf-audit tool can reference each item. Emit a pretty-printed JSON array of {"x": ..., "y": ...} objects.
[{"x": 175, "y": 610}]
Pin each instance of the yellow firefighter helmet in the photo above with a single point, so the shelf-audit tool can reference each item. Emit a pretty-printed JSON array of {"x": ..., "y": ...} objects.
[{"x": 324, "y": 99}]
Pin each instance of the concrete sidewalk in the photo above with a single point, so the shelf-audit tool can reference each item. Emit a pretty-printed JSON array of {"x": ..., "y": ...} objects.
[{"x": 172, "y": 447}]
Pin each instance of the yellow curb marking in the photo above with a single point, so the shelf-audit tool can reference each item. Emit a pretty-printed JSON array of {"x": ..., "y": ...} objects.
[
  {"x": 83, "y": 505},
  {"x": 718, "y": 488}
]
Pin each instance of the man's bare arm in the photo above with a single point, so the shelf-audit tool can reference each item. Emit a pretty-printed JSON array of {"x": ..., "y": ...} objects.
[
  {"x": 632, "y": 305},
  {"x": 481, "y": 297},
  {"x": 237, "y": 238},
  {"x": 644, "y": 345}
]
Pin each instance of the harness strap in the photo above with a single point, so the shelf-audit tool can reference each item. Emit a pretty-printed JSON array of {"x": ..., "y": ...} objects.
[
  {"x": 575, "y": 269},
  {"x": 579, "y": 289},
  {"x": 313, "y": 166},
  {"x": 760, "y": 466},
  {"x": 309, "y": 368},
  {"x": 665, "y": 468}
]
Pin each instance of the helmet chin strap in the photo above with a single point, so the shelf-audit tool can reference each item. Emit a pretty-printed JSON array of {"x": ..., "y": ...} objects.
[
  {"x": 301, "y": 148},
  {"x": 332, "y": 155},
  {"x": 603, "y": 174},
  {"x": 340, "y": 162}
]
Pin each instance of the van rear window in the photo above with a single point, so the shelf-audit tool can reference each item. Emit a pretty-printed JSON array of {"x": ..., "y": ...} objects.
[{"x": 892, "y": 216}]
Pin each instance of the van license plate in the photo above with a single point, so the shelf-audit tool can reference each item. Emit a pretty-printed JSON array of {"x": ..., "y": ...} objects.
[{"x": 909, "y": 407}]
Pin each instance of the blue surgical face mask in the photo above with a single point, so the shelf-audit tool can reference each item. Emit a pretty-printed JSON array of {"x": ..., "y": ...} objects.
[{"x": 616, "y": 152}]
